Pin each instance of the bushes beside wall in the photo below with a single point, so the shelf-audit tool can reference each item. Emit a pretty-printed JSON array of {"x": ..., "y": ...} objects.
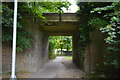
[
  {"x": 84, "y": 16},
  {"x": 100, "y": 18},
  {"x": 112, "y": 33}
]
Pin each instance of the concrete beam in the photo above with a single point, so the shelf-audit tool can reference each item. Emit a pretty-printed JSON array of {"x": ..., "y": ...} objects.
[
  {"x": 60, "y": 27},
  {"x": 60, "y": 34},
  {"x": 63, "y": 17}
]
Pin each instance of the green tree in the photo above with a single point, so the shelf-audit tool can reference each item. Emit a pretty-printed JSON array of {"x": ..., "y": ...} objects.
[
  {"x": 112, "y": 29},
  {"x": 24, "y": 38},
  {"x": 84, "y": 16},
  {"x": 60, "y": 42},
  {"x": 67, "y": 41}
]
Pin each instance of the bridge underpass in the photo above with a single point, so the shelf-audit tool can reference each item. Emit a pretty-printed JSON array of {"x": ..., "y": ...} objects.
[
  {"x": 63, "y": 25},
  {"x": 59, "y": 25},
  {"x": 55, "y": 25}
]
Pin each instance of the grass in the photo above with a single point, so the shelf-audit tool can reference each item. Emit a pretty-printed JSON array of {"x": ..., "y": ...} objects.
[{"x": 68, "y": 57}]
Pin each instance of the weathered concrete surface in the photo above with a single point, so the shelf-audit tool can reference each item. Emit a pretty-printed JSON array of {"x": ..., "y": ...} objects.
[
  {"x": 6, "y": 57},
  {"x": 63, "y": 17},
  {"x": 75, "y": 44},
  {"x": 95, "y": 52},
  {"x": 98, "y": 50},
  {"x": 64, "y": 24},
  {"x": 87, "y": 60},
  {"x": 33, "y": 58}
]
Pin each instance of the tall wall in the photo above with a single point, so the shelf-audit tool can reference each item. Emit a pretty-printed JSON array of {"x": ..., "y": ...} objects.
[
  {"x": 6, "y": 57},
  {"x": 32, "y": 58},
  {"x": 98, "y": 49},
  {"x": 95, "y": 52},
  {"x": 75, "y": 40},
  {"x": 36, "y": 56}
]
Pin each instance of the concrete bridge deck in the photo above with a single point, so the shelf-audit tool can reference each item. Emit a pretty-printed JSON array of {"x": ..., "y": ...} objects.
[{"x": 64, "y": 24}]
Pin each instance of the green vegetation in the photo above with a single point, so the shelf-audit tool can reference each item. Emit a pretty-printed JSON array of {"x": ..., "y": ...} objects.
[
  {"x": 24, "y": 37},
  {"x": 52, "y": 56},
  {"x": 35, "y": 9},
  {"x": 106, "y": 18},
  {"x": 112, "y": 29},
  {"x": 84, "y": 22},
  {"x": 59, "y": 42},
  {"x": 69, "y": 57}
]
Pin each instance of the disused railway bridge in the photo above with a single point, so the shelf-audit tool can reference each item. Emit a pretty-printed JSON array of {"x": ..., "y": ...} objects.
[{"x": 55, "y": 25}]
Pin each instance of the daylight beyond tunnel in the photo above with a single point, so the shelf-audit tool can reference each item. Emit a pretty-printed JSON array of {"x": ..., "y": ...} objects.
[{"x": 60, "y": 46}]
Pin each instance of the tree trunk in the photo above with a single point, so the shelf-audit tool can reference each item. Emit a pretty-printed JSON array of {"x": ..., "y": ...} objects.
[
  {"x": 61, "y": 50},
  {"x": 67, "y": 48}
]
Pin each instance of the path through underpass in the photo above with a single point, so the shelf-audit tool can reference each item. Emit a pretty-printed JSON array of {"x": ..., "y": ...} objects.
[{"x": 59, "y": 68}]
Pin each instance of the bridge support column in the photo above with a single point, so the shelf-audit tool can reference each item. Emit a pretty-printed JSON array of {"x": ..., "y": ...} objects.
[
  {"x": 87, "y": 59},
  {"x": 75, "y": 42},
  {"x": 86, "y": 64}
]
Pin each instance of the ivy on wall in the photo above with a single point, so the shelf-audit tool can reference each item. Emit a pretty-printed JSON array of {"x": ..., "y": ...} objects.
[
  {"x": 23, "y": 37},
  {"x": 112, "y": 29},
  {"x": 84, "y": 22}
]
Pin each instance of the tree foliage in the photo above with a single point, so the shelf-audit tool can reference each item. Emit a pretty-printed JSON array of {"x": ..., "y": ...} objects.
[
  {"x": 112, "y": 29},
  {"x": 106, "y": 18},
  {"x": 24, "y": 38},
  {"x": 84, "y": 16},
  {"x": 58, "y": 42},
  {"x": 37, "y": 8}
]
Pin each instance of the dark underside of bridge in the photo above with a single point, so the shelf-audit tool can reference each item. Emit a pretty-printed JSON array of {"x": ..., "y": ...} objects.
[
  {"x": 60, "y": 24},
  {"x": 64, "y": 24}
]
